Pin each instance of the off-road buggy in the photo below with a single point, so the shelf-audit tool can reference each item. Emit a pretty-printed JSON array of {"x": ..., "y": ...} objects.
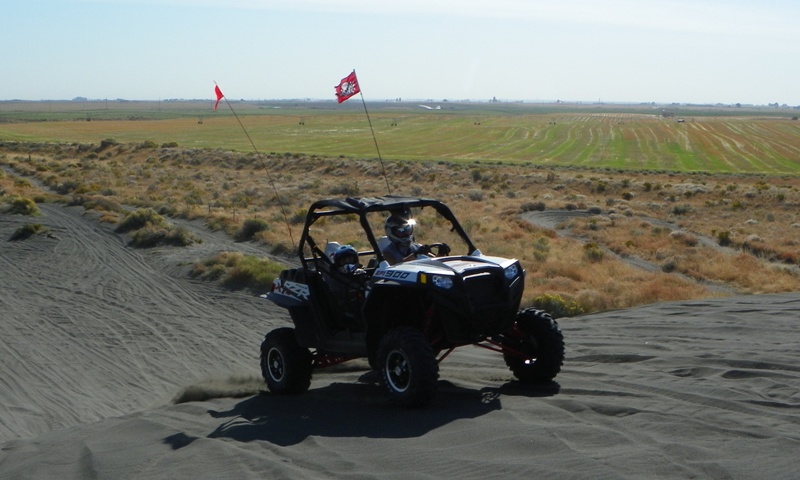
[{"x": 404, "y": 318}]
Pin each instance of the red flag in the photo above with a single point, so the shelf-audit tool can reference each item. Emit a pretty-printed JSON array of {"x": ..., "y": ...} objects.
[
  {"x": 347, "y": 87},
  {"x": 219, "y": 94}
]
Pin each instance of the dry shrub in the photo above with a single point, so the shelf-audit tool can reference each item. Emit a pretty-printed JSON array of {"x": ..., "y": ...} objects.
[
  {"x": 559, "y": 268},
  {"x": 237, "y": 271},
  {"x": 109, "y": 217},
  {"x": 149, "y": 236},
  {"x": 149, "y": 229},
  {"x": 23, "y": 206},
  {"x": 223, "y": 222},
  {"x": 250, "y": 228},
  {"x": 670, "y": 265},
  {"x": 215, "y": 267},
  {"x": 792, "y": 257},
  {"x": 96, "y": 202},
  {"x": 666, "y": 289},
  {"x": 746, "y": 272},
  {"x": 533, "y": 207},
  {"x": 26, "y": 231},
  {"x": 724, "y": 238},
  {"x": 621, "y": 286},
  {"x": 541, "y": 248},
  {"x": 593, "y": 253},
  {"x": 592, "y": 300},
  {"x": 140, "y": 218},
  {"x": 557, "y": 306},
  {"x": 684, "y": 237},
  {"x": 512, "y": 235}
]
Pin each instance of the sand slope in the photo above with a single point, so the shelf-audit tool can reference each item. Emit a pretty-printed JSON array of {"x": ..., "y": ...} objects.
[{"x": 96, "y": 339}]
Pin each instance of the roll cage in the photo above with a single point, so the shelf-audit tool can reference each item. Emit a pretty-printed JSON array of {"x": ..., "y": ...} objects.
[{"x": 361, "y": 207}]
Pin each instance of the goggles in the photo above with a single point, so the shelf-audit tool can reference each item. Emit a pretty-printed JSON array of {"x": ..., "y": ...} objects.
[{"x": 404, "y": 231}]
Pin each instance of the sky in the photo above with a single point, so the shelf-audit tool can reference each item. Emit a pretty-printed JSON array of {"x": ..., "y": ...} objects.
[{"x": 662, "y": 51}]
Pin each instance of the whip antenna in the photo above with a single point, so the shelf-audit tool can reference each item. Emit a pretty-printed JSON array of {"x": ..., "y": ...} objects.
[
  {"x": 220, "y": 96},
  {"x": 375, "y": 139},
  {"x": 346, "y": 89}
]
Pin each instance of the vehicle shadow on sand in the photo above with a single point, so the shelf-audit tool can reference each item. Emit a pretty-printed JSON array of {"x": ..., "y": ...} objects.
[{"x": 358, "y": 410}]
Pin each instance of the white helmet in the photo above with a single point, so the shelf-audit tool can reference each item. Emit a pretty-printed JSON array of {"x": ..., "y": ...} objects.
[{"x": 399, "y": 230}]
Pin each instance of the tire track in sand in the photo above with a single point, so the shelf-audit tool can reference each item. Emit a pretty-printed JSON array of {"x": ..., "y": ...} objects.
[{"x": 147, "y": 333}]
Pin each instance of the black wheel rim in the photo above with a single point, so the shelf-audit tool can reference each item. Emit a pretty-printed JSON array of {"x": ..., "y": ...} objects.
[
  {"x": 275, "y": 364},
  {"x": 527, "y": 346},
  {"x": 398, "y": 371}
]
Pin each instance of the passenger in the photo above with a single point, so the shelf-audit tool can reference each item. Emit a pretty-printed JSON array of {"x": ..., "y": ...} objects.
[
  {"x": 349, "y": 286},
  {"x": 346, "y": 260}
]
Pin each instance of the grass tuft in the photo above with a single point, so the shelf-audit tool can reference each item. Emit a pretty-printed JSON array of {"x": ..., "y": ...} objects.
[
  {"x": 238, "y": 271},
  {"x": 557, "y": 306},
  {"x": 250, "y": 228},
  {"x": 23, "y": 206},
  {"x": 140, "y": 218},
  {"x": 149, "y": 229},
  {"x": 26, "y": 231}
]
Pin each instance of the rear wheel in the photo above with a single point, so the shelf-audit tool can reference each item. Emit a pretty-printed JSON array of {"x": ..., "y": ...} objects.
[
  {"x": 409, "y": 371},
  {"x": 534, "y": 347},
  {"x": 285, "y": 365}
]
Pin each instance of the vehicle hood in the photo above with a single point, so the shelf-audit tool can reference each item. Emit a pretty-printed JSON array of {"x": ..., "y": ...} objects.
[{"x": 453, "y": 265}]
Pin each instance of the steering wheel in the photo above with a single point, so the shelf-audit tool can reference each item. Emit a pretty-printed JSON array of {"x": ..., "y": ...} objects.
[{"x": 442, "y": 249}]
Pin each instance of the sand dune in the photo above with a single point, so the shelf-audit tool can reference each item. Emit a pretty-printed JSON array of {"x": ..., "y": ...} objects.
[{"x": 115, "y": 364}]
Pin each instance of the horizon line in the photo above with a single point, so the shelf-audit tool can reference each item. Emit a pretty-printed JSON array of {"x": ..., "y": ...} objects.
[{"x": 411, "y": 100}]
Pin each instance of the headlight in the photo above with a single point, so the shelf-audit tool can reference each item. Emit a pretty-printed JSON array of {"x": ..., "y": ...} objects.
[
  {"x": 511, "y": 272},
  {"x": 442, "y": 281}
]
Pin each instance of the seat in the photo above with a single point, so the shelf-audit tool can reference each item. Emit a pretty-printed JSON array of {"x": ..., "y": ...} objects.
[
  {"x": 330, "y": 249},
  {"x": 344, "y": 292},
  {"x": 383, "y": 242}
]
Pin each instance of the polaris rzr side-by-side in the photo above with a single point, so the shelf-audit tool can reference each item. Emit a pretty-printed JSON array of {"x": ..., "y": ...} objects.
[{"x": 405, "y": 317}]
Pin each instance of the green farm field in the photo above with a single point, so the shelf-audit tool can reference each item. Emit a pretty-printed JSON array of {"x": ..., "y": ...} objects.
[{"x": 723, "y": 140}]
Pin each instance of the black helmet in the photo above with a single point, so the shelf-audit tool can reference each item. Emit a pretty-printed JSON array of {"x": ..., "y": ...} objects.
[{"x": 399, "y": 230}]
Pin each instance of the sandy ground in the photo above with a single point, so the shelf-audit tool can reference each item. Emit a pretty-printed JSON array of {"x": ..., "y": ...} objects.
[{"x": 115, "y": 364}]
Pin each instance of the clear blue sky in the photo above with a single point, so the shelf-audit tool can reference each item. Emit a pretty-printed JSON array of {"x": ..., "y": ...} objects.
[{"x": 685, "y": 51}]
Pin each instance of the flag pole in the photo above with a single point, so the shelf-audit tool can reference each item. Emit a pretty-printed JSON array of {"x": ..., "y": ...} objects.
[
  {"x": 374, "y": 138},
  {"x": 261, "y": 160}
]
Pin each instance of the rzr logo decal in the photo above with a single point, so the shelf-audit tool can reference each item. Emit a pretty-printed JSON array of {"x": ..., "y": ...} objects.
[{"x": 294, "y": 289}]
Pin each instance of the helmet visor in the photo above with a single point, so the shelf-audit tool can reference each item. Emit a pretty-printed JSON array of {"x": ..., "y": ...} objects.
[
  {"x": 403, "y": 231},
  {"x": 346, "y": 259}
]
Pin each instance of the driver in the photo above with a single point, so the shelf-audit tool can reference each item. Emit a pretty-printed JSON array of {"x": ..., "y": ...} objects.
[{"x": 400, "y": 232}]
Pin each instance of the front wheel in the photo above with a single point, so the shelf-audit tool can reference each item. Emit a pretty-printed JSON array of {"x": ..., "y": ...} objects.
[
  {"x": 285, "y": 365},
  {"x": 534, "y": 348},
  {"x": 409, "y": 370}
]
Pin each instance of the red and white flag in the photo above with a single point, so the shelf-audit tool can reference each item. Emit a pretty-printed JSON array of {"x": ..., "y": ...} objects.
[
  {"x": 219, "y": 95},
  {"x": 347, "y": 87}
]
